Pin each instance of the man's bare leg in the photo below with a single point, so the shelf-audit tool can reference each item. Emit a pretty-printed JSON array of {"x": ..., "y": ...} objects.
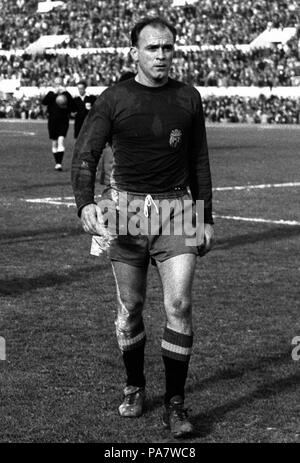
[
  {"x": 131, "y": 292},
  {"x": 177, "y": 277}
]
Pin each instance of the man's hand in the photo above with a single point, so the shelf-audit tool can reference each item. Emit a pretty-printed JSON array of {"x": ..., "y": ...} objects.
[
  {"x": 92, "y": 220},
  {"x": 208, "y": 240}
]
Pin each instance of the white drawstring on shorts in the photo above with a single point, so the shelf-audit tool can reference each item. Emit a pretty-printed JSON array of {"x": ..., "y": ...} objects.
[{"x": 148, "y": 201}]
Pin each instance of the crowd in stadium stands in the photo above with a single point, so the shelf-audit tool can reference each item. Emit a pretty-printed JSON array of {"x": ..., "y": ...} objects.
[
  {"x": 102, "y": 23},
  {"x": 273, "y": 67},
  {"x": 267, "y": 110},
  {"x": 21, "y": 108}
]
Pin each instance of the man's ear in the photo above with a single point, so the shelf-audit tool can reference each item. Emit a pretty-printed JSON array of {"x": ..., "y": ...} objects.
[{"x": 134, "y": 54}]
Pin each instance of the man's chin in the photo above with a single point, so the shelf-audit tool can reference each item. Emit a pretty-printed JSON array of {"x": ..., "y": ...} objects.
[{"x": 161, "y": 77}]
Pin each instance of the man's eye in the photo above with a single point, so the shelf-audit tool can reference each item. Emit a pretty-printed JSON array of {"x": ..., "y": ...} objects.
[{"x": 165, "y": 48}]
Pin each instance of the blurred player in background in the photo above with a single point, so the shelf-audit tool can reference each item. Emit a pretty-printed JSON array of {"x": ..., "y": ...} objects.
[
  {"x": 81, "y": 106},
  {"x": 59, "y": 106}
]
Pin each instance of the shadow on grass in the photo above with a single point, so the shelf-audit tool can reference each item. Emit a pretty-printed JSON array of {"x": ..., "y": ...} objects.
[
  {"x": 28, "y": 235},
  {"x": 154, "y": 402},
  {"x": 20, "y": 285},
  {"x": 278, "y": 233},
  {"x": 34, "y": 186},
  {"x": 205, "y": 422},
  {"x": 237, "y": 371}
]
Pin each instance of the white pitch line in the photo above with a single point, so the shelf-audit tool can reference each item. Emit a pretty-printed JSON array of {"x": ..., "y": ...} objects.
[
  {"x": 261, "y": 186},
  {"x": 258, "y": 220},
  {"x": 58, "y": 199},
  {"x": 66, "y": 202},
  {"x": 55, "y": 201},
  {"x": 18, "y": 132}
]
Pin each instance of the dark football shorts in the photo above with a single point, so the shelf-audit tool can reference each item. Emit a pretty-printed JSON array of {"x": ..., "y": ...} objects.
[
  {"x": 57, "y": 127},
  {"x": 150, "y": 227}
]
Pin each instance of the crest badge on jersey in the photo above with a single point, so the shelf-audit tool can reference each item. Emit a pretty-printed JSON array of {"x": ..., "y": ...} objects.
[{"x": 175, "y": 138}]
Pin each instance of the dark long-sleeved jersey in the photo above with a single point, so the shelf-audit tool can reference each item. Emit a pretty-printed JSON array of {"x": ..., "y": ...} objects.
[
  {"x": 81, "y": 107},
  {"x": 158, "y": 138},
  {"x": 54, "y": 111}
]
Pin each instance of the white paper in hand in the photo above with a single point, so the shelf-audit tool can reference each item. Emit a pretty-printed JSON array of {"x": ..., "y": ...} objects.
[
  {"x": 102, "y": 240},
  {"x": 96, "y": 246}
]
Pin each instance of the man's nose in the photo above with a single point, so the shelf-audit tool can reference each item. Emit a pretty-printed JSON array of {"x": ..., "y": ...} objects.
[{"x": 160, "y": 53}]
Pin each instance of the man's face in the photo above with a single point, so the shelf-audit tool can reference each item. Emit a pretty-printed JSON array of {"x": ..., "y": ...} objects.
[
  {"x": 154, "y": 54},
  {"x": 58, "y": 82},
  {"x": 81, "y": 89}
]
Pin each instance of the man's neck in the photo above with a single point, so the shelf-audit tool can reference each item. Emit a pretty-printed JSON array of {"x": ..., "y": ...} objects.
[{"x": 149, "y": 83}]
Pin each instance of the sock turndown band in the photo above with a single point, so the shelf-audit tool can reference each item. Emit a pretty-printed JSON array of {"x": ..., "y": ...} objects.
[
  {"x": 176, "y": 345},
  {"x": 131, "y": 340}
]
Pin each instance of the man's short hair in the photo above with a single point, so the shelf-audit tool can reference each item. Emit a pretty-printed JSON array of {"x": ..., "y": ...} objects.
[
  {"x": 156, "y": 22},
  {"x": 82, "y": 82}
]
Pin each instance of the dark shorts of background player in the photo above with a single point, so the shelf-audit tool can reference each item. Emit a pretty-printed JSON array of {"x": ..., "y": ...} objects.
[
  {"x": 141, "y": 249},
  {"x": 57, "y": 128}
]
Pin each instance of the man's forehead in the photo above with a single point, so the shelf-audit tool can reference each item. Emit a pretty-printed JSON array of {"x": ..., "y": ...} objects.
[{"x": 154, "y": 35}]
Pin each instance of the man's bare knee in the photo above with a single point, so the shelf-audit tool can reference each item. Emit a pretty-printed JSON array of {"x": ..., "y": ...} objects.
[
  {"x": 129, "y": 313},
  {"x": 130, "y": 305},
  {"x": 180, "y": 308},
  {"x": 179, "y": 314}
]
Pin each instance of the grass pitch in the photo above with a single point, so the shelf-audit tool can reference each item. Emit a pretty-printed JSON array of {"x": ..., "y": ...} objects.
[{"x": 63, "y": 376}]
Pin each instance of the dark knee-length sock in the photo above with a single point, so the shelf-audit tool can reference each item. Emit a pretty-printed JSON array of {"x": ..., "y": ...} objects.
[
  {"x": 133, "y": 348},
  {"x": 176, "y": 353}
]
